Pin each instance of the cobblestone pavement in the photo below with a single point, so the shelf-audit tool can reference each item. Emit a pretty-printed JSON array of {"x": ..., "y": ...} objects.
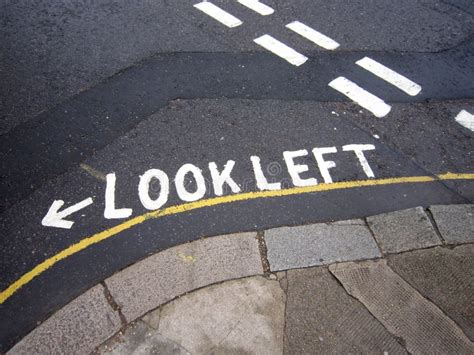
[{"x": 401, "y": 282}]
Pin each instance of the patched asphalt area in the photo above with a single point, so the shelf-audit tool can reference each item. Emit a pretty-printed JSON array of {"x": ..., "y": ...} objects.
[{"x": 53, "y": 50}]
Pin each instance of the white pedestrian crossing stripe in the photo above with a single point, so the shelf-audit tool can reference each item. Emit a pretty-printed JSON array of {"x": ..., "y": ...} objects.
[
  {"x": 364, "y": 98},
  {"x": 465, "y": 119},
  {"x": 314, "y": 36},
  {"x": 257, "y": 6},
  {"x": 346, "y": 87},
  {"x": 390, "y": 76},
  {"x": 218, "y": 14},
  {"x": 281, "y": 50}
]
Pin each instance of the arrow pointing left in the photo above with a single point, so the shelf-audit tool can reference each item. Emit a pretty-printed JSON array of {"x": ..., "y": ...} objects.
[{"x": 54, "y": 218}]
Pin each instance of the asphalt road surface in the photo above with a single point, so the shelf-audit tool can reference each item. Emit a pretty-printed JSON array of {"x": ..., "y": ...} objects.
[{"x": 130, "y": 127}]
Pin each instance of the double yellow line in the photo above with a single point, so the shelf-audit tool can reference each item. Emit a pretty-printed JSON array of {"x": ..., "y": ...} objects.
[{"x": 185, "y": 207}]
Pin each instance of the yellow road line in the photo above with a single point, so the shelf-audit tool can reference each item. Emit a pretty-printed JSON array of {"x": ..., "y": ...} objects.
[{"x": 177, "y": 209}]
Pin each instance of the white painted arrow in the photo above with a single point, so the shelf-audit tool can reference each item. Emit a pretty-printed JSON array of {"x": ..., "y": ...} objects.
[{"x": 54, "y": 218}]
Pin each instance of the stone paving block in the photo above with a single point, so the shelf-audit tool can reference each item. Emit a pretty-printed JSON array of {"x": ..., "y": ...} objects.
[
  {"x": 444, "y": 276},
  {"x": 455, "y": 222},
  {"x": 403, "y": 230},
  {"x": 77, "y": 328},
  {"x": 244, "y": 316},
  {"x": 140, "y": 339},
  {"x": 161, "y": 277},
  {"x": 319, "y": 244},
  {"x": 424, "y": 328},
  {"x": 321, "y": 318}
]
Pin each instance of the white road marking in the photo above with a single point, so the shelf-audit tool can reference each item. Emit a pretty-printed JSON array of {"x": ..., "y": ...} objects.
[
  {"x": 313, "y": 35},
  {"x": 364, "y": 98},
  {"x": 218, "y": 14},
  {"x": 110, "y": 211},
  {"x": 257, "y": 6},
  {"x": 465, "y": 119},
  {"x": 325, "y": 165},
  {"x": 358, "y": 150},
  {"x": 219, "y": 178},
  {"x": 390, "y": 76},
  {"x": 295, "y": 169},
  {"x": 180, "y": 183},
  {"x": 55, "y": 218},
  {"x": 144, "y": 189},
  {"x": 281, "y": 50},
  {"x": 262, "y": 182}
]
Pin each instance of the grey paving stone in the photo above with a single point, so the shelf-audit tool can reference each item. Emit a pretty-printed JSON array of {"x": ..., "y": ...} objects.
[
  {"x": 403, "y": 230},
  {"x": 152, "y": 319},
  {"x": 358, "y": 222},
  {"x": 139, "y": 339},
  {"x": 319, "y": 244},
  {"x": 424, "y": 328},
  {"x": 321, "y": 318},
  {"x": 159, "y": 278},
  {"x": 77, "y": 328},
  {"x": 455, "y": 222},
  {"x": 444, "y": 276},
  {"x": 244, "y": 316}
]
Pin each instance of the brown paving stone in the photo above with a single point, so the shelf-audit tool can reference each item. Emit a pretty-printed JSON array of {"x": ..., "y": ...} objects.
[
  {"x": 444, "y": 276},
  {"x": 401, "y": 309},
  {"x": 322, "y": 318}
]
